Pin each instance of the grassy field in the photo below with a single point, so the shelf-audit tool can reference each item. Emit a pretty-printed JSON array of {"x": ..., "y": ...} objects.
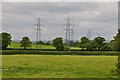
[
  {"x": 46, "y": 66},
  {"x": 17, "y": 45}
]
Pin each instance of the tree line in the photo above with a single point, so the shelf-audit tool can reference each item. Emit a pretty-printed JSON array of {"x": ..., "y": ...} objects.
[{"x": 97, "y": 44}]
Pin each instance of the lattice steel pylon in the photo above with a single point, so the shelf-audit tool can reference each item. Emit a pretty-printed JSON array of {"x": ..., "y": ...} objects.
[
  {"x": 72, "y": 34},
  {"x": 89, "y": 34},
  {"x": 68, "y": 33},
  {"x": 38, "y": 33}
]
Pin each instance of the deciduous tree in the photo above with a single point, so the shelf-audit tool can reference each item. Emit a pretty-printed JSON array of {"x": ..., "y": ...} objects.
[
  {"x": 25, "y": 42},
  {"x": 5, "y": 40},
  {"x": 84, "y": 41},
  {"x": 58, "y": 43},
  {"x": 99, "y": 42}
]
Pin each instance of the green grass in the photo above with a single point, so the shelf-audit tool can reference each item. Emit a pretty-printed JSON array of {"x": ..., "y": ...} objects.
[
  {"x": 46, "y": 66},
  {"x": 16, "y": 45},
  {"x": 43, "y": 46}
]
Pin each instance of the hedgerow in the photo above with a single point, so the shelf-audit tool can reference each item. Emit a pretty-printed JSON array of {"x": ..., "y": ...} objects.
[{"x": 39, "y": 52}]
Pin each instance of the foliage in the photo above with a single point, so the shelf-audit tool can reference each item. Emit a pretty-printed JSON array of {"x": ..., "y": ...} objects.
[
  {"x": 25, "y": 42},
  {"x": 115, "y": 44},
  {"x": 60, "y": 47},
  {"x": 74, "y": 44},
  {"x": 58, "y": 43},
  {"x": 90, "y": 46},
  {"x": 116, "y": 70},
  {"x": 106, "y": 47},
  {"x": 99, "y": 42},
  {"x": 84, "y": 42},
  {"x": 10, "y": 52},
  {"x": 41, "y": 42},
  {"x": 48, "y": 43},
  {"x": 5, "y": 40},
  {"x": 117, "y": 40}
]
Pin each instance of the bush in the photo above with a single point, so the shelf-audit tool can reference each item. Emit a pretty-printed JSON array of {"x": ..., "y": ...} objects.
[
  {"x": 60, "y": 47},
  {"x": 9, "y": 52},
  {"x": 116, "y": 70}
]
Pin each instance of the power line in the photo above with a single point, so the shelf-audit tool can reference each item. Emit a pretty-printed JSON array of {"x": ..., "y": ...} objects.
[
  {"x": 89, "y": 34},
  {"x": 19, "y": 9},
  {"x": 9, "y": 17},
  {"x": 72, "y": 34}
]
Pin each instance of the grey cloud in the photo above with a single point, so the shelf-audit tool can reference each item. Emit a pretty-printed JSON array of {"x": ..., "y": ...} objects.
[{"x": 99, "y": 17}]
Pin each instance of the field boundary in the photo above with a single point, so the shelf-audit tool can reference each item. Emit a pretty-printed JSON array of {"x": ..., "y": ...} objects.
[{"x": 38, "y": 52}]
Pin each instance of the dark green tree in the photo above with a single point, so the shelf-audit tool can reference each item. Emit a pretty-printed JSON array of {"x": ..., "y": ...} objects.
[
  {"x": 84, "y": 41},
  {"x": 58, "y": 43},
  {"x": 115, "y": 44},
  {"x": 41, "y": 42},
  {"x": 90, "y": 46},
  {"x": 74, "y": 44},
  {"x": 25, "y": 42},
  {"x": 48, "y": 43},
  {"x": 106, "y": 47},
  {"x": 99, "y": 42},
  {"x": 5, "y": 40},
  {"x": 117, "y": 40},
  {"x": 60, "y": 47}
]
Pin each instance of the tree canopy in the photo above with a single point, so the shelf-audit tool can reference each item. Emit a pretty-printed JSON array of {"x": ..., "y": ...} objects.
[
  {"x": 58, "y": 43},
  {"x": 117, "y": 40},
  {"x": 5, "y": 40},
  {"x": 99, "y": 42},
  {"x": 25, "y": 42},
  {"x": 41, "y": 42},
  {"x": 96, "y": 44},
  {"x": 84, "y": 41}
]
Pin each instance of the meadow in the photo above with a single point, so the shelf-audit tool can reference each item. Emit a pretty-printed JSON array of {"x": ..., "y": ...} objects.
[
  {"x": 56, "y": 66},
  {"x": 16, "y": 45},
  {"x": 33, "y": 46}
]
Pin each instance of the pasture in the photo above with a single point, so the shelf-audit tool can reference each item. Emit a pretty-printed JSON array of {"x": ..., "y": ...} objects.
[
  {"x": 33, "y": 46},
  {"x": 56, "y": 66},
  {"x": 16, "y": 45}
]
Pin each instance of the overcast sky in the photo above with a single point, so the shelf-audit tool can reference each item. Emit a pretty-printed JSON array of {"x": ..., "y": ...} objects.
[{"x": 101, "y": 18}]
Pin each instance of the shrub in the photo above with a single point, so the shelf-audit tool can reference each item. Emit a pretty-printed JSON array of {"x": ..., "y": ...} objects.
[{"x": 9, "y": 52}]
